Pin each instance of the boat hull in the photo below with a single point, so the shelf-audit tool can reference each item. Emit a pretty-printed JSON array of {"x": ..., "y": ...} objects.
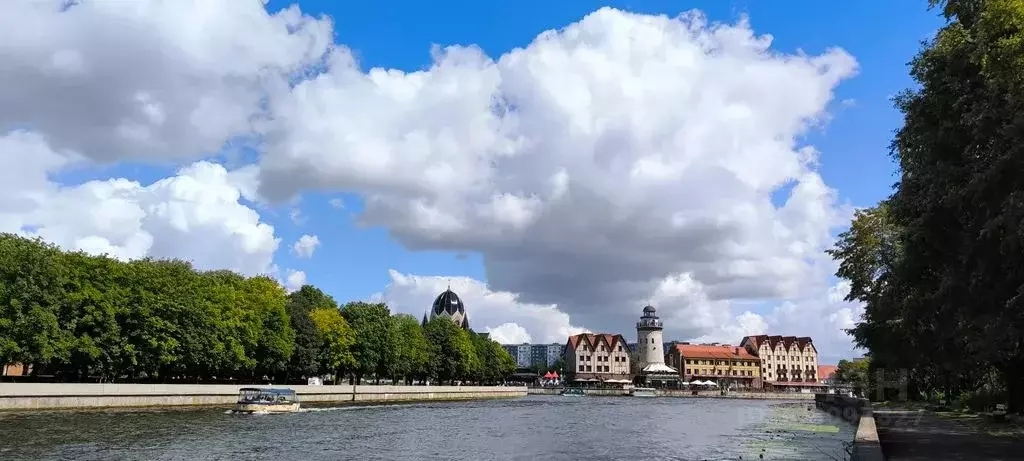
[
  {"x": 266, "y": 408},
  {"x": 644, "y": 393}
]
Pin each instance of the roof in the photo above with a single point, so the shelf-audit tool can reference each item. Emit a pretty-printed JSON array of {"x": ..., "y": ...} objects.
[
  {"x": 713, "y": 352},
  {"x": 593, "y": 339},
  {"x": 802, "y": 342},
  {"x": 826, "y": 371},
  {"x": 659, "y": 368},
  {"x": 267, "y": 390},
  {"x": 447, "y": 302}
]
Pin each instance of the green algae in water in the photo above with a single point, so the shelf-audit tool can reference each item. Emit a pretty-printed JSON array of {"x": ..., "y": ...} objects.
[{"x": 824, "y": 428}]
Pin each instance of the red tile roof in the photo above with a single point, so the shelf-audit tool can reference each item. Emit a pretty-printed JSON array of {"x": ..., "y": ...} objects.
[
  {"x": 802, "y": 342},
  {"x": 593, "y": 340},
  {"x": 826, "y": 371},
  {"x": 713, "y": 352}
]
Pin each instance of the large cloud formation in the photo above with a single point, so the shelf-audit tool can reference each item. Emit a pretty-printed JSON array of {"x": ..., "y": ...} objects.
[
  {"x": 622, "y": 160},
  {"x": 593, "y": 168}
]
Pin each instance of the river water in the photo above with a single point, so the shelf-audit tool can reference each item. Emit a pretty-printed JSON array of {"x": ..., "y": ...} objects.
[{"x": 530, "y": 428}]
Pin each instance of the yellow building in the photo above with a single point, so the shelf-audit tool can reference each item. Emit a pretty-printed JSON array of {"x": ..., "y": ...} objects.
[{"x": 716, "y": 363}]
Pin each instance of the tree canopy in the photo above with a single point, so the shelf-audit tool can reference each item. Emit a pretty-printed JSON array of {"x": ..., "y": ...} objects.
[
  {"x": 79, "y": 317},
  {"x": 939, "y": 264}
]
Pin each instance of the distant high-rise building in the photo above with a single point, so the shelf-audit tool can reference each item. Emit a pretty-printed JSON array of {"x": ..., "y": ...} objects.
[
  {"x": 522, "y": 353},
  {"x": 545, "y": 354}
]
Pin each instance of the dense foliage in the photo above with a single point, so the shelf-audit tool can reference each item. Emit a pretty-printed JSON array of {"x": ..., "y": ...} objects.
[
  {"x": 939, "y": 265},
  {"x": 78, "y": 317}
]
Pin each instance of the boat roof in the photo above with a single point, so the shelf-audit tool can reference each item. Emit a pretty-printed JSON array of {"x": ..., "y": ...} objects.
[{"x": 268, "y": 390}]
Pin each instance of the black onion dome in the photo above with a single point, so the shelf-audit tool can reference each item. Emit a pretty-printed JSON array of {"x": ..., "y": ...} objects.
[
  {"x": 448, "y": 302},
  {"x": 649, "y": 309}
]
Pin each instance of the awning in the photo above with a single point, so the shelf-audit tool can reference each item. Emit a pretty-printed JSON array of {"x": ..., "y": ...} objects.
[
  {"x": 618, "y": 381},
  {"x": 548, "y": 375}
]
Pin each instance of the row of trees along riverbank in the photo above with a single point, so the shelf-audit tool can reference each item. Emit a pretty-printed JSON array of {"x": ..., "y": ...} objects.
[
  {"x": 92, "y": 318},
  {"x": 939, "y": 264}
]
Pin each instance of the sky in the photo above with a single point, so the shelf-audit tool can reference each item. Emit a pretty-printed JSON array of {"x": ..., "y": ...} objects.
[{"x": 558, "y": 166}]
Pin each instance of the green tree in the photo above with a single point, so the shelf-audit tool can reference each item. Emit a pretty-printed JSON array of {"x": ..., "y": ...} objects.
[
  {"x": 305, "y": 359},
  {"x": 411, "y": 355},
  {"x": 335, "y": 339},
  {"x": 374, "y": 344},
  {"x": 31, "y": 297},
  {"x": 451, "y": 350},
  {"x": 947, "y": 304},
  {"x": 854, "y": 373},
  {"x": 95, "y": 294}
]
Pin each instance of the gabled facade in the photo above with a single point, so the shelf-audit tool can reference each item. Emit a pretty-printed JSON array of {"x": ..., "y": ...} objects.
[
  {"x": 597, "y": 358},
  {"x": 784, "y": 359}
]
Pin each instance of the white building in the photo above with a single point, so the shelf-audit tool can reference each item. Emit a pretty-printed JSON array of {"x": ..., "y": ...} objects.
[{"x": 650, "y": 351}]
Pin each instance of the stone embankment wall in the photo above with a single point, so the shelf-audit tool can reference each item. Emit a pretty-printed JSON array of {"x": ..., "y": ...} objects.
[
  {"x": 866, "y": 446},
  {"x": 683, "y": 393},
  {"x": 29, "y": 396}
]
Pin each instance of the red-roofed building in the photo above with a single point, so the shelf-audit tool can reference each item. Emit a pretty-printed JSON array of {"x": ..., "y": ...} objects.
[
  {"x": 597, "y": 358},
  {"x": 717, "y": 363},
  {"x": 784, "y": 359},
  {"x": 826, "y": 374}
]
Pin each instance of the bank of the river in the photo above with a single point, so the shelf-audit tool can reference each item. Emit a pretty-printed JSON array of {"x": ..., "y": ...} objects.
[
  {"x": 549, "y": 428},
  {"x": 682, "y": 393},
  {"x": 32, "y": 396}
]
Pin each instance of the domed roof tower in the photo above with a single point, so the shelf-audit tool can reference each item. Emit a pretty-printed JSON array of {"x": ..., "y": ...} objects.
[{"x": 448, "y": 304}]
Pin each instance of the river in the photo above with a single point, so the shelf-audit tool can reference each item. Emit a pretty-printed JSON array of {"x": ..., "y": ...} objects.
[{"x": 530, "y": 428}]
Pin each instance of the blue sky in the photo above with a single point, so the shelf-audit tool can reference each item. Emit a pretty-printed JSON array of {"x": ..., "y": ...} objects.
[
  {"x": 638, "y": 161},
  {"x": 353, "y": 263}
]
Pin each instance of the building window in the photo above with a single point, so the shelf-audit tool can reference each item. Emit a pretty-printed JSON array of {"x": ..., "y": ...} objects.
[
  {"x": 620, "y": 348},
  {"x": 581, "y": 367},
  {"x": 588, "y": 367},
  {"x": 581, "y": 358}
]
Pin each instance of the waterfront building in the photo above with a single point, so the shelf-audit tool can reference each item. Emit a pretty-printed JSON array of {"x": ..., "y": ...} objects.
[
  {"x": 650, "y": 354},
  {"x": 725, "y": 365},
  {"x": 448, "y": 304},
  {"x": 785, "y": 360},
  {"x": 597, "y": 358}
]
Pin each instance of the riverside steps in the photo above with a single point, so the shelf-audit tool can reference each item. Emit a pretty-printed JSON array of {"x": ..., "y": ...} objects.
[
  {"x": 61, "y": 396},
  {"x": 866, "y": 446}
]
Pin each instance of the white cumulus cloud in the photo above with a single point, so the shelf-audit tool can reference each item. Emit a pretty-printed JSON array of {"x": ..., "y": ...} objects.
[
  {"x": 306, "y": 245},
  {"x": 194, "y": 215},
  {"x": 487, "y": 310},
  {"x": 623, "y": 157},
  {"x": 294, "y": 280}
]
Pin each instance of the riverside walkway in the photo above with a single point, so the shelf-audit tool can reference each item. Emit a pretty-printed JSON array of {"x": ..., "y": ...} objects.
[{"x": 912, "y": 435}]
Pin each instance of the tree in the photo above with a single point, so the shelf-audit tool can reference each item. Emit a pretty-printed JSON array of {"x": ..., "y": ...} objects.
[
  {"x": 306, "y": 356},
  {"x": 411, "y": 355},
  {"x": 374, "y": 345},
  {"x": 946, "y": 304},
  {"x": 31, "y": 297},
  {"x": 450, "y": 350},
  {"x": 854, "y": 373},
  {"x": 335, "y": 339}
]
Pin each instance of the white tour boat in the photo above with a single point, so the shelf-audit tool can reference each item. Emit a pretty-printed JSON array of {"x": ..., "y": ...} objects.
[{"x": 269, "y": 400}]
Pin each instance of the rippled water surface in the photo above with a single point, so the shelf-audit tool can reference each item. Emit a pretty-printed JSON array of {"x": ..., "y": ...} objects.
[{"x": 532, "y": 428}]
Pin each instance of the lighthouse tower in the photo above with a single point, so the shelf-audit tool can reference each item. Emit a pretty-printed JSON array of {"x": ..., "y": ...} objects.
[{"x": 648, "y": 339}]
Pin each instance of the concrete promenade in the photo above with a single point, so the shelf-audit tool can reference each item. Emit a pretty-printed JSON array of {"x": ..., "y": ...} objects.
[
  {"x": 919, "y": 435},
  {"x": 865, "y": 443},
  {"x": 33, "y": 396}
]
